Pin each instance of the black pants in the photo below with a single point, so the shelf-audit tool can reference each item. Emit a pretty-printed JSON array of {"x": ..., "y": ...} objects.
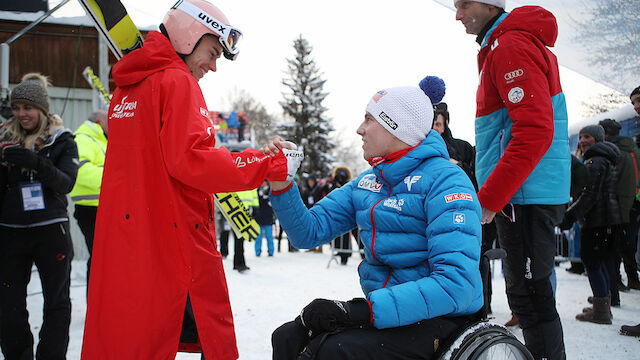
[
  {"x": 596, "y": 250},
  {"x": 626, "y": 251},
  {"x": 238, "y": 248},
  {"x": 489, "y": 237},
  {"x": 86, "y": 217},
  {"x": 416, "y": 341},
  {"x": 526, "y": 233},
  {"x": 50, "y": 248}
]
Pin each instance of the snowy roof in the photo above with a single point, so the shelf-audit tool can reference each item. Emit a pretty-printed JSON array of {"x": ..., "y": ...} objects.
[
  {"x": 74, "y": 20},
  {"x": 624, "y": 113}
]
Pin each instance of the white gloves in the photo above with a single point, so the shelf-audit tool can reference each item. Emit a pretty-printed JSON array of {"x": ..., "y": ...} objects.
[{"x": 294, "y": 159}]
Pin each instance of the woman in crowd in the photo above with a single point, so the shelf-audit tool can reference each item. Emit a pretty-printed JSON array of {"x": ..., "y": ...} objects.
[
  {"x": 39, "y": 167},
  {"x": 598, "y": 213}
]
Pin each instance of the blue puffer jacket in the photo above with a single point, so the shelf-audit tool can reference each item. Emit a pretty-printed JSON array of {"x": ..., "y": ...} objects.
[{"x": 420, "y": 224}]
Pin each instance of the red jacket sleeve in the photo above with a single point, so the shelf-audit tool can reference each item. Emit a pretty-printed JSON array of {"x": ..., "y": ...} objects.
[
  {"x": 531, "y": 114},
  {"x": 187, "y": 139}
]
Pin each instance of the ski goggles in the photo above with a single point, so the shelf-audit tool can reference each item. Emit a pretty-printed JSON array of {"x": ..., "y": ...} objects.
[{"x": 227, "y": 34}]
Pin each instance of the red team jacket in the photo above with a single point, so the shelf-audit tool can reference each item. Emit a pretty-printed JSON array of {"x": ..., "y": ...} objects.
[
  {"x": 522, "y": 142},
  {"x": 154, "y": 238}
]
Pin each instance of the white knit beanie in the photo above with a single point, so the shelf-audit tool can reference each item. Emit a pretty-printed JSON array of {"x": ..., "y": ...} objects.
[
  {"x": 498, "y": 3},
  {"x": 407, "y": 111}
]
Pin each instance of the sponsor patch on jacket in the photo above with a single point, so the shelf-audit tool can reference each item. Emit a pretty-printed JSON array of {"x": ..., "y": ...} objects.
[
  {"x": 458, "y": 196},
  {"x": 516, "y": 95},
  {"x": 204, "y": 112},
  {"x": 394, "y": 203},
  {"x": 459, "y": 218},
  {"x": 370, "y": 182},
  {"x": 515, "y": 75},
  {"x": 125, "y": 109},
  {"x": 410, "y": 180}
]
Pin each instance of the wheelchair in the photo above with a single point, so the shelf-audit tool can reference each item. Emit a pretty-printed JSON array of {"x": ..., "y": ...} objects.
[{"x": 484, "y": 340}]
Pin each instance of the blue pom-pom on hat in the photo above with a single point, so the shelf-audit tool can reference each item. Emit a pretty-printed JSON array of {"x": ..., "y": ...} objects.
[{"x": 434, "y": 88}]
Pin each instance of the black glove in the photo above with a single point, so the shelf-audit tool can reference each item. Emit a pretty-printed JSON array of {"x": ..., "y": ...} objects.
[
  {"x": 20, "y": 156},
  {"x": 567, "y": 223},
  {"x": 328, "y": 315}
]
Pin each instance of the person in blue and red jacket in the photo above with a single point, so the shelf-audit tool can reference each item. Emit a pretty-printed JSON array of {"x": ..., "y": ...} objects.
[
  {"x": 419, "y": 220},
  {"x": 523, "y": 159}
]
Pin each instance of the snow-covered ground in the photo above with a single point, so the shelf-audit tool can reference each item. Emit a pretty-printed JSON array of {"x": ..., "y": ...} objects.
[{"x": 276, "y": 288}]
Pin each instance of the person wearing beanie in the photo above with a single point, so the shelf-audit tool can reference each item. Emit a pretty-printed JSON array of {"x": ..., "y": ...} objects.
[
  {"x": 155, "y": 261},
  {"x": 626, "y": 189},
  {"x": 597, "y": 211},
  {"x": 523, "y": 156},
  {"x": 418, "y": 217},
  {"x": 38, "y": 168},
  {"x": 632, "y": 330}
]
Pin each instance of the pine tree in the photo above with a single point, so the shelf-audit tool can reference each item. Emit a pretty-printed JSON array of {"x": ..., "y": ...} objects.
[{"x": 310, "y": 128}]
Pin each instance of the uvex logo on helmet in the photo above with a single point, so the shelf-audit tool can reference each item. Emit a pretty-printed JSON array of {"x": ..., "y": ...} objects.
[{"x": 212, "y": 22}]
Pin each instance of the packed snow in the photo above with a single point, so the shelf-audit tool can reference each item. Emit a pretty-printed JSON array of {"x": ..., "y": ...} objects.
[{"x": 277, "y": 288}]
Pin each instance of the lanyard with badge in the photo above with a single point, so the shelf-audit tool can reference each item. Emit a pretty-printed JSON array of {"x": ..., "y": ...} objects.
[{"x": 32, "y": 197}]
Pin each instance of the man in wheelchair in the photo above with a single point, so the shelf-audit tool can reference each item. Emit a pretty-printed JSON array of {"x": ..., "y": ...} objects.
[{"x": 420, "y": 224}]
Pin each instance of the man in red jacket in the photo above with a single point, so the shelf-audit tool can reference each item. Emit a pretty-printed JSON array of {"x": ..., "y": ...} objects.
[
  {"x": 155, "y": 243},
  {"x": 522, "y": 156}
]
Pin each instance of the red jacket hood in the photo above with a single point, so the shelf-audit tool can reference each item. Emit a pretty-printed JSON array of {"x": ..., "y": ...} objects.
[
  {"x": 157, "y": 54},
  {"x": 535, "y": 20}
]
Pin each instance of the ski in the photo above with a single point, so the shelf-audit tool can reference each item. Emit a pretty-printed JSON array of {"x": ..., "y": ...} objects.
[
  {"x": 96, "y": 84},
  {"x": 111, "y": 19}
]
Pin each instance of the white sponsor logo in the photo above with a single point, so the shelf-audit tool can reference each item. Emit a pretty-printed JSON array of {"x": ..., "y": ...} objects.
[
  {"x": 204, "y": 112},
  {"x": 494, "y": 45},
  {"x": 516, "y": 95},
  {"x": 410, "y": 180},
  {"x": 248, "y": 161},
  {"x": 124, "y": 109},
  {"x": 394, "y": 203},
  {"x": 458, "y": 218},
  {"x": 458, "y": 196},
  {"x": 513, "y": 74},
  {"x": 370, "y": 182}
]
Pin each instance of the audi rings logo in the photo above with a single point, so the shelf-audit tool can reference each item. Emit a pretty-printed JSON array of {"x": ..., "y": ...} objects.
[{"x": 514, "y": 74}]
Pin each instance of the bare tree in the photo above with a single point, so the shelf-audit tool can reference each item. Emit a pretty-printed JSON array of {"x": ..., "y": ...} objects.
[
  {"x": 261, "y": 123},
  {"x": 610, "y": 30}
]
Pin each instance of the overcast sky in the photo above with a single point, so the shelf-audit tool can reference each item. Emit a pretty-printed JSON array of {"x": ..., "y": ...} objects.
[{"x": 360, "y": 47}]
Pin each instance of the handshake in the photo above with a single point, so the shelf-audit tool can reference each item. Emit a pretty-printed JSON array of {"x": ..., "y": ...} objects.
[{"x": 290, "y": 150}]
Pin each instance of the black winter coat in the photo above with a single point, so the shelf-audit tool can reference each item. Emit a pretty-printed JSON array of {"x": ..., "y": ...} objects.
[
  {"x": 57, "y": 171},
  {"x": 463, "y": 152},
  {"x": 627, "y": 173},
  {"x": 264, "y": 213},
  {"x": 598, "y": 206}
]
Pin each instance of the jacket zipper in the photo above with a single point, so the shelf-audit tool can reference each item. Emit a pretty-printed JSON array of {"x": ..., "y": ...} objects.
[{"x": 373, "y": 223}]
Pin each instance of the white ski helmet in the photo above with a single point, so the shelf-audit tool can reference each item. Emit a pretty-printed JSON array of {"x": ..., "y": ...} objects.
[{"x": 188, "y": 20}]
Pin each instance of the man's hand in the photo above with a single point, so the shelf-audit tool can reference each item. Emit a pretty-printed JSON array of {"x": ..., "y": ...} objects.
[
  {"x": 487, "y": 216},
  {"x": 328, "y": 315},
  {"x": 273, "y": 147}
]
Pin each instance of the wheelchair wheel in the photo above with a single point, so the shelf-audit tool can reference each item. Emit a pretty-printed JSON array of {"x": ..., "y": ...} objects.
[{"x": 486, "y": 341}]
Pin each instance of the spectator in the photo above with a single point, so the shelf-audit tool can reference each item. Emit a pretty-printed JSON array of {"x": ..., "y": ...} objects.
[
  {"x": 39, "y": 167},
  {"x": 340, "y": 175},
  {"x": 265, "y": 218},
  {"x": 632, "y": 330},
  {"x": 91, "y": 138},
  {"x": 579, "y": 177},
  {"x": 420, "y": 223},
  {"x": 154, "y": 249},
  {"x": 461, "y": 152},
  {"x": 522, "y": 153},
  {"x": 627, "y": 168},
  {"x": 250, "y": 201},
  {"x": 598, "y": 212}
]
